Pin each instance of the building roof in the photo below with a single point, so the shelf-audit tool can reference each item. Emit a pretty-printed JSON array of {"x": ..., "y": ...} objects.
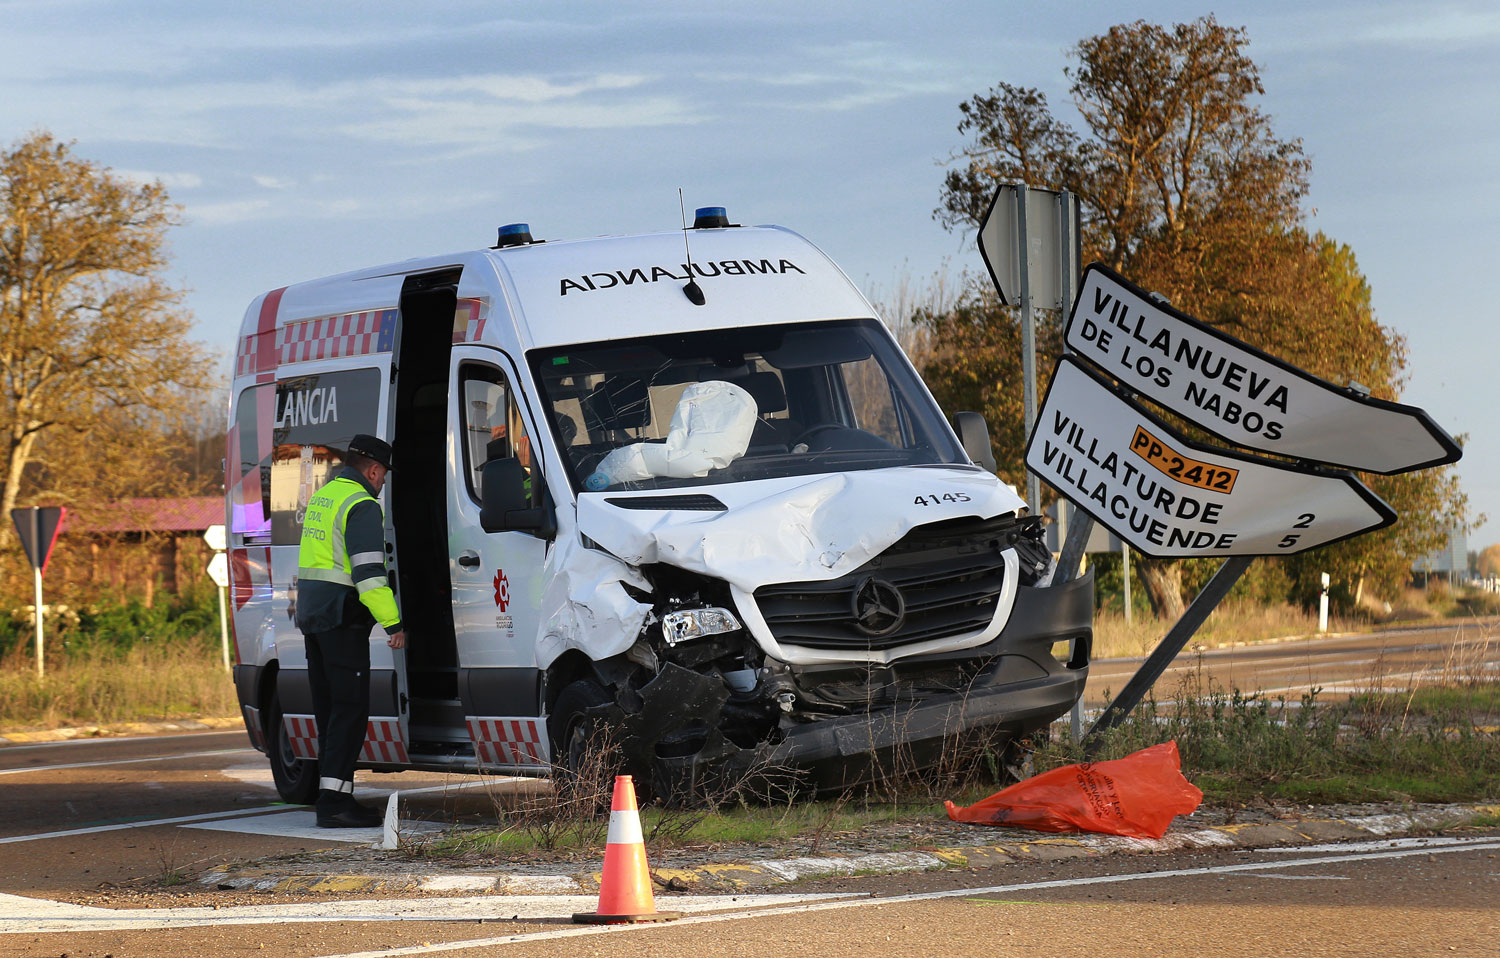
[{"x": 186, "y": 514}]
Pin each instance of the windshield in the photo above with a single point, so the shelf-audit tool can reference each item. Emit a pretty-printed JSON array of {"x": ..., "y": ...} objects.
[{"x": 690, "y": 409}]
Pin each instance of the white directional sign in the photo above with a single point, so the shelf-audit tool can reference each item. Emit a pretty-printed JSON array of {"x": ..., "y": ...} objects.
[
  {"x": 214, "y": 536},
  {"x": 1171, "y": 498},
  {"x": 218, "y": 570},
  {"x": 1048, "y": 217},
  {"x": 1239, "y": 393}
]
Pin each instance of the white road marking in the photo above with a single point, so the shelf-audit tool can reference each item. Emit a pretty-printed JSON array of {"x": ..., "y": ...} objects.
[
  {"x": 1383, "y": 845},
  {"x": 233, "y": 813},
  {"x": 121, "y": 761},
  {"x": 32, "y": 916},
  {"x": 1299, "y": 877},
  {"x": 301, "y": 824},
  {"x": 115, "y": 740},
  {"x": 145, "y": 823},
  {"x": 1476, "y": 844}
]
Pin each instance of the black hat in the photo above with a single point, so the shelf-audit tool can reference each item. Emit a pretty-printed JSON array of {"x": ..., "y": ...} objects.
[{"x": 372, "y": 448}]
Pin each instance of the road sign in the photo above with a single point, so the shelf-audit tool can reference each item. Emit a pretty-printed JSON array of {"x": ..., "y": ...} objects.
[
  {"x": 218, "y": 570},
  {"x": 38, "y": 528},
  {"x": 214, "y": 536},
  {"x": 1047, "y": 227},
  {"x": 1100, "y": 539},
  {"x": 1239, "y": 393},
  {"x": 1171, "y": 498}
]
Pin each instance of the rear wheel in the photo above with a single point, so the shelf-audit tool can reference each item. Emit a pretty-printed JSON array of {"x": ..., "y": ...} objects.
[{"x": 296, "y": 778}]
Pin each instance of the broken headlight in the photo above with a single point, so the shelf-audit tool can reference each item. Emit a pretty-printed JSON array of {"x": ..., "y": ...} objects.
[{"x": 687, "y": 624}]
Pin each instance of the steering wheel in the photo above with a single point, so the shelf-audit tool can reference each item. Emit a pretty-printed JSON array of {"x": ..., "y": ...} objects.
[{"x": 814, "y": 430}]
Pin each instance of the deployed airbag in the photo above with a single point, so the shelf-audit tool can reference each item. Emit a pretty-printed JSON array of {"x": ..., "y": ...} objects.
[{"x": 710, "y": 428}]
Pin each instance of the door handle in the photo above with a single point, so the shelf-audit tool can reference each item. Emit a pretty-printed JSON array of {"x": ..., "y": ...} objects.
[{"x": 469, "y": 560}]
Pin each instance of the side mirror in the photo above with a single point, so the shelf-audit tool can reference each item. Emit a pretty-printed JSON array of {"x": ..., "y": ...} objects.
[
  {"x": 505, "y": 500},
  {"x": 975, "y": 436}
]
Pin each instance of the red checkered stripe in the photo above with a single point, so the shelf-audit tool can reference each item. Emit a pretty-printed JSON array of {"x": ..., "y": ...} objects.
[
  {"x": 508, "y": 740},
  {"x": 302, "y": 731},
  {"x": 252, "y": 725},
  {"x": 468, "y": 325},
  {"x": 329, "y": 337},
  {"x": 383, "y": 741}
]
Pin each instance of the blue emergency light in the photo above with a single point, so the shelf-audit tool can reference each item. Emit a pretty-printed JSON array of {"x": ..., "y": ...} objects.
[
  {"x": 710, "y": 218},
  {"x": 514, "y": 234}
]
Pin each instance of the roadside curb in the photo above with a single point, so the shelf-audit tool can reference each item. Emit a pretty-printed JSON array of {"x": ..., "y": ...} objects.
[
  {"x": 739, "y": 876},
  {"x": 121, "y": 729}
]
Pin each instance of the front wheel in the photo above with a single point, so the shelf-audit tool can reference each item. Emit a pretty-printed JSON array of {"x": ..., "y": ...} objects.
[
  {"x": 585, "y": 752},
  {"x": 296, "y": 778}
]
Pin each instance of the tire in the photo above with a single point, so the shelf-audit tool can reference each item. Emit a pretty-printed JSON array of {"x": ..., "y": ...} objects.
[
  {"x": 577, "y": 768},
  {"x": 296, "y": 778}
]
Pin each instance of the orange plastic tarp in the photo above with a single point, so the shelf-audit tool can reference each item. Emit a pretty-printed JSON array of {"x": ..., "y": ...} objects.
[{"x": 1137, "y": 796}]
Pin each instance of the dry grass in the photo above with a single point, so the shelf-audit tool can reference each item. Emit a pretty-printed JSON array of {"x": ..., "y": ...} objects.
[
  {"x": 1236, "y": 622},
  {"x": 101, "y": 685}
]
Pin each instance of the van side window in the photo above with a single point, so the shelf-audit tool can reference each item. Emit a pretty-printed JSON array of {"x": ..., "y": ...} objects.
[
  {"x": 874, "y": 405},
  {"x": 315, "y": 417},
  {"x": 492, "y": 424}
]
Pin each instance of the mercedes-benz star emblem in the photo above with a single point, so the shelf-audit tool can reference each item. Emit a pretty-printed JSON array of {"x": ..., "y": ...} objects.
[{"x": 878, "y": 606}]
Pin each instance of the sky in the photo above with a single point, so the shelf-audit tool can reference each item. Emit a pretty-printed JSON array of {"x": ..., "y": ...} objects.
[{"x": 306, "y": 139}]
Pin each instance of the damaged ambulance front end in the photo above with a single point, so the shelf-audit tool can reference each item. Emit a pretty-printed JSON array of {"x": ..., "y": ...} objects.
[{"x": 785, "y": 561}]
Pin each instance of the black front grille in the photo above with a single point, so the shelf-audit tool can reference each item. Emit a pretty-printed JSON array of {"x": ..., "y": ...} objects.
[{"x": 950, "y": 575}]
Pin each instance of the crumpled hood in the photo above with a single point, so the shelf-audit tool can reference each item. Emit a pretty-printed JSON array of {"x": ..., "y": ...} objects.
[{"x": 801, "y": 528}]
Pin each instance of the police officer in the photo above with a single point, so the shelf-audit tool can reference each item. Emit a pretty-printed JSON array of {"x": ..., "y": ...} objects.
[{"x": 342, "y": 591}]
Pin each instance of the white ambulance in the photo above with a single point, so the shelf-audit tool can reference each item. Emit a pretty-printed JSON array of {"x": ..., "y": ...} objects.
[{"x": 684, "y": 485}]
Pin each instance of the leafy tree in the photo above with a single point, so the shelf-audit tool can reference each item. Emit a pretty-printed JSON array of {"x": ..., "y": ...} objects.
[
  {"x": 1185, "y": 188},
  {"x": 93, "y": 341},
  {"x": 1488, "y": 562}
]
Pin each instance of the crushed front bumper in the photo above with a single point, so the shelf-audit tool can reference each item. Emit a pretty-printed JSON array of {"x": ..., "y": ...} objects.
[{"x": 1021, "y": 688}]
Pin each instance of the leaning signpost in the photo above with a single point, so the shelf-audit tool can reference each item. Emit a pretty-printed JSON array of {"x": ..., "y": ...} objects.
[
  {"x": 38, "y": 527},
  {"x": 1167, "y": 496}
]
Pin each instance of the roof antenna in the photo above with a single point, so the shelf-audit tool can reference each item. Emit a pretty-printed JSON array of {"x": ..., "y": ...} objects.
[{"x": 692, "y": 290}]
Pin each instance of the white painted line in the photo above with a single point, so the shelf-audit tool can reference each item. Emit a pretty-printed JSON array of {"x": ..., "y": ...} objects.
[
  {"x": 1299, "y": 877},
  {"x": 539, "y": 885},
  {"x": 32, "y": 916},
  {"x": 457, "y": 882},
  {"x": 302, "y": 825},
  {"x": 1478, "y": 844},
  {"x": 117, "y": 739},
  {"x": 1383, "y": 844},
  {"x": 121, "y": 761},
  {"x": 146, "y": 823}
]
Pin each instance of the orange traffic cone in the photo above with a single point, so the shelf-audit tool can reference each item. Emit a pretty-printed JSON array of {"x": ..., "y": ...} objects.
[{"x": 625, "y": 887}]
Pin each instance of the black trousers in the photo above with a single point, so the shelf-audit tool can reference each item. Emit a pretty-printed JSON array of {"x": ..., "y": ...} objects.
[{"x": 338, "y": 669}]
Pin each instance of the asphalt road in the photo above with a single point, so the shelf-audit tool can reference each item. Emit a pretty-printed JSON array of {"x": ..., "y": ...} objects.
[
  {"x": 1396, "y": 898},
  {"x": 112, "y": 823},
  {"x": 1335, "y": 667}
]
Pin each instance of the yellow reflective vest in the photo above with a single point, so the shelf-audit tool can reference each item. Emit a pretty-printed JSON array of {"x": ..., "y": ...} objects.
[{"x": 341, "y": 556}]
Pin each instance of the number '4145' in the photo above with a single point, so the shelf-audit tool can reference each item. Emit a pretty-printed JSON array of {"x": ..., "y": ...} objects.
[{"x": 938, "y": 499}]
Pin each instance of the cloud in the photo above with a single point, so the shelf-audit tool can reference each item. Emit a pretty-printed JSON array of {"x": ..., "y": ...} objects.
[
  {"x": 1429, "y": 24},
  {"x": 507, "y": 111},
  {"x": 272, "y": 182},
  {"x": 229, "y": 212},
  {"x": 172, "y": 181}
]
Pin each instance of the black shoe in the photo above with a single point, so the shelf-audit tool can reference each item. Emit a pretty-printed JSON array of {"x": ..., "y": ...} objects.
[{"x": 351, "y": 815}]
